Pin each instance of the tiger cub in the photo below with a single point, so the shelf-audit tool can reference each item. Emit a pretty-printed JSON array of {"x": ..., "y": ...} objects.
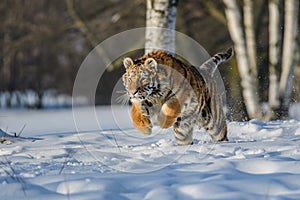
[{"x": 167, "y": 92}]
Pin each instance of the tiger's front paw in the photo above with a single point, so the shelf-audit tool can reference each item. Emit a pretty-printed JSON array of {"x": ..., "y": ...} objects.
[
  {"x": 142, "y": 124},
  {"x": 140, "y": 121},
  {"x": 145, "y": 130}
]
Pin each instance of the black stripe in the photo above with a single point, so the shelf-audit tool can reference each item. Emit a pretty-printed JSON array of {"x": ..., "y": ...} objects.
[
  {"x": 147, "y": 111},
  {"x": 148, "y": 103},
  {"x": 169, "y": 95}
]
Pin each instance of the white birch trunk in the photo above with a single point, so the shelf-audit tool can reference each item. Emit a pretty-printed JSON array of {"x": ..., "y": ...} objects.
[
  {"x": 160, "y": 25},
  {"x": 274, "y": 55},
  {"x": 289, "y": 50},
  {"x": 249, "y": 35},
  {"x": 249, "y": 87}
]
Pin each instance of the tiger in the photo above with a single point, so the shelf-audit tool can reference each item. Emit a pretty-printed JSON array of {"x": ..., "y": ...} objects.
[{"x": 166, "y": 91}]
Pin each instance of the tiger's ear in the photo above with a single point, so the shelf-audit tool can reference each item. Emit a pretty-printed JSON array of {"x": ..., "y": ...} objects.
[
  {"x": 151, "y": 63},
  {"x": 127, "y": 62}
]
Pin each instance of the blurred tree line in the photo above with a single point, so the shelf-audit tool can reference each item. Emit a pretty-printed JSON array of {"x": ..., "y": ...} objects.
[{"x": 44, "y": 42}]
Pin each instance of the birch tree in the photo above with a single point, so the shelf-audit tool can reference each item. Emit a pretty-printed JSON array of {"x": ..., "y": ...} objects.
[
  {"x": 160, "y": 25},
  {"x": 249, "y": 35},
  {"x": 274, "y": 55},
  {"x": 248, "y": 80},
  {"x": 288, "y": 54},
  {"x": 280, "y": 82}
]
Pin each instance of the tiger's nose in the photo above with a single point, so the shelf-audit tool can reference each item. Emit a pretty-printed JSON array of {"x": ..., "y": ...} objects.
[{"x": 133, "y": 91}]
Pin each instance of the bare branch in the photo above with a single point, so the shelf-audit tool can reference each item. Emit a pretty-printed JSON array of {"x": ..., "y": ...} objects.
[
  {"x": 215, "y": 12},
  {"x": 89, "y": 35},
  {"x": 20, "y": 132}
]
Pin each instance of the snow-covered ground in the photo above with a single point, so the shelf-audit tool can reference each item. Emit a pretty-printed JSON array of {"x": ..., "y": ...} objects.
[{"x": 105, "y": 158}]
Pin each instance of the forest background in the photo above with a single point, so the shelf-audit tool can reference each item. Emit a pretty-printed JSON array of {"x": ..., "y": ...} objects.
[{"x": 43, "y": 44}]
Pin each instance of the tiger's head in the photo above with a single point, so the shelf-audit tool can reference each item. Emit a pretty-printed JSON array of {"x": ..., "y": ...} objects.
[{"x": 139, "y": 78}]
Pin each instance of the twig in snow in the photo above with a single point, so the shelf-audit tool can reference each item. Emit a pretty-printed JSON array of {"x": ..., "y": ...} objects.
[
  {"x": 116, "y": 140},
  {"x": 71, "y": 153},
  {"x": 22, "y": 129}
]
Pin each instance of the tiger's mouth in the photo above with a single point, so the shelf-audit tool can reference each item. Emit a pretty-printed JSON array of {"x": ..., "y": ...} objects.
[
  {"x": 135, "y": 100},
  {"x": 141, "y": 93},
  {"x": 138, "y": 98}
]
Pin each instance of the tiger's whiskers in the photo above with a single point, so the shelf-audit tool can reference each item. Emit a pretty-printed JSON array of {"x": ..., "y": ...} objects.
[{"x": 124, "y": 98}]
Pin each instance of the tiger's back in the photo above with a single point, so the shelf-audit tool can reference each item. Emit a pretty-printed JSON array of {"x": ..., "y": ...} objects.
[{"x": 169, "y": 92}]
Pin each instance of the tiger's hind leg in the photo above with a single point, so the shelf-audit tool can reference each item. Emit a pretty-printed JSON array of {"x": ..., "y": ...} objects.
[
  {"x": 218, "y": 135},
  {"x": 214, "y": 123},
  {"x": 183, "y": 130},
  {"x": 216, "y": 129}
]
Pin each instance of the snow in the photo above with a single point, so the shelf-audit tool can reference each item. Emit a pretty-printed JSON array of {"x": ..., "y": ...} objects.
[{"x": 57, "y": 157}]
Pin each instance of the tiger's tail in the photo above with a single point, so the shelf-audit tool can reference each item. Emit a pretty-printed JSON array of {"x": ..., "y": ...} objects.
[
  {"x": 222, "y": 57},
  {"x": 219, "y": 58}
]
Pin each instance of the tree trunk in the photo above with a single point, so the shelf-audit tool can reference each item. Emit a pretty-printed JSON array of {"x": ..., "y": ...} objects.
[
  {"x": 160, "y": 25},
  {"x": 274, "y": 55},
  {"x": 250, "y": 35},
  {"x": 249, "y": 86},
  {"x": 289, "y": 50}
]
